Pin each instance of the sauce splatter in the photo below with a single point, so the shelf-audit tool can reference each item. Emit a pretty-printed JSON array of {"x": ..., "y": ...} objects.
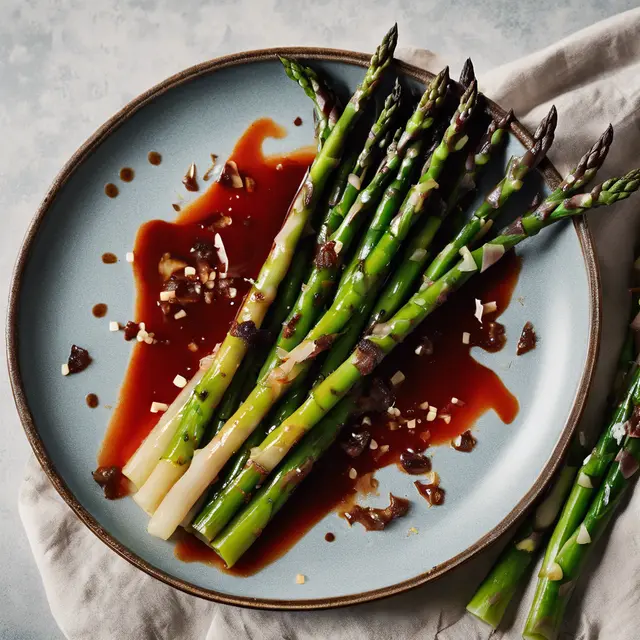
[
  {"x": 109, "y": 258},
  {"x": 92, "y": 400},
  {"x": 154, "y": 158},
  {"x": 111, "y": 191},
  {"x": 127, "y": 174},
  {"x": 99, "y": 310}
]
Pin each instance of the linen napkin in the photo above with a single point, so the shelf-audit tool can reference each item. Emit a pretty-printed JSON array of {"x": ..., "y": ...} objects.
[{"x": 593, "y": 78}]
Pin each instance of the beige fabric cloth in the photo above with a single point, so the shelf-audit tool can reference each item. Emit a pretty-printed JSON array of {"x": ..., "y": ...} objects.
[{"x": 593, "y": 78}]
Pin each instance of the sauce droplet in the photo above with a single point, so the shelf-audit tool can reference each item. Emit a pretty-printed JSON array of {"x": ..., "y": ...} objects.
[
  {"x": 126, "y": 174},
  {"x": 464, "y": 442},
  {"x": 100, "y": 310},
  {"x": 329, "y": 537},
  {"x": 154, "y": 158},
  {"x": 111, "y": 190},
  {"x": 176, "y": 207},
  {"x": 109, "y": 258},
  {"x": 414, "y": 463},
  {"x": 298, "y": 121},
  {"x": 92, "y": 400}
]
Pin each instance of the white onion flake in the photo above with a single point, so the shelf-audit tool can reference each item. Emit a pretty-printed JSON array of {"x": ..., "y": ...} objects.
[
  {"x": 491, "y": 253},
  {"x": 222, "y": 253},
  {"x": 618, "y": 431},
  {"x": 468, "y": 264},
  {"x": 585, "y": 481},
  {"x": 583, "y": 536},
  {"x": 354, "y": 181},
  {"x": 479, "y": 310}
]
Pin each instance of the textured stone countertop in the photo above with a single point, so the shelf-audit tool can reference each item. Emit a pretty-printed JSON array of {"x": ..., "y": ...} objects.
[{"x": 66, "y": 66}]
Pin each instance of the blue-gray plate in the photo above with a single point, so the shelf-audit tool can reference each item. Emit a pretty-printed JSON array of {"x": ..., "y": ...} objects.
[{"x": 59, "y": 267}]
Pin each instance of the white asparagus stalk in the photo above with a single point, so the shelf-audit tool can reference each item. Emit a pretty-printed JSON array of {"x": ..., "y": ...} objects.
[
  {"x": 164, "y": 476},
  {"x": 142, "y": 463}
]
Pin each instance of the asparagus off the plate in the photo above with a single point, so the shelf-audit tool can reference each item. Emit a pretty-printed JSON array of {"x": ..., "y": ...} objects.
[{"x": 375, "y": 240}]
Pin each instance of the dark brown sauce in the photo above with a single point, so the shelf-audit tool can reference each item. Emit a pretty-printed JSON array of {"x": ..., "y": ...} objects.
[
  {"x": 176, "y": 207},
  {"x": 329, "y": 537},
  {"x": 432, "y": 493},
  {"x": 329, "y": 487},
  {"x": 154, "y": 158},
  {"x": 100, "y": 310},
  {"x": 109, "y": 258},
  {"x": 298, "y": 121},
  {"x": 92, "y": 400},
  {"x": 528, "y": 340},
  {"x": 111, "y": 190},
  {"x": 127, "y": 174},
  {"x": 190, "y": 181},
  {"x": 414, "y": 463}
]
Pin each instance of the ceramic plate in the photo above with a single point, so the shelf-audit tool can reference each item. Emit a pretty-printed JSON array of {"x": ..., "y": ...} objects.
[{"x": 59, "y": 272}]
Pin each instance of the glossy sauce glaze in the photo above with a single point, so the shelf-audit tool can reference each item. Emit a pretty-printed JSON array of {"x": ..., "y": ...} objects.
[{"x": 256, "y": 217}]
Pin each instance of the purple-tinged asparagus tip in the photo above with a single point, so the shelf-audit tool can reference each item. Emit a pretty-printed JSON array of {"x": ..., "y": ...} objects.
[{"x": 468, "y": 74}]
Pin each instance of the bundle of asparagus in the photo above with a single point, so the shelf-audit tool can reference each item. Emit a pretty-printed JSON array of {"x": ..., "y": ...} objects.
[{"x": 339, "y": 301}]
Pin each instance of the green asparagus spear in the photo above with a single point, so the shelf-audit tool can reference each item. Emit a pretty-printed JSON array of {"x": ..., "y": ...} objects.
[
  {"x": 326, "y": 105},
  {"x": 372, "y": 349},
  {"x": 208, "y": 393},
  {"x": 417, "y": 253},
  {"x": 386, "y": 336},
  {"x": 511, "y": 183},
  {"x": 250, "y": 523},
  {"x": 349, "y": 297}
]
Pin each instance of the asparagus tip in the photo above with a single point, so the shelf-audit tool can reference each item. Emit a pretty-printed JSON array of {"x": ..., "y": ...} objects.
[{"x": 468, "y": 74}]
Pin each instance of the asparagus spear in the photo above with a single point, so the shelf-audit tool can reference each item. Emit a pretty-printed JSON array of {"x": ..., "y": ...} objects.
[
  {"x": 467, "y": 74},
  {"x": 386, "y": 336},
  {"x": 422, "y": 119},
  {"x": 211, "y": 388},
  {"x": 208, "y": 522},
  {"x": 349, "y": 297},
  {"x": 326, "y": 105},
  {"x": 511, "y": 183},
  {"x": 291, "y": 473},
  {"x": 416, "y": 254},
  {"x": 594, "y": 468},
  {"x": 575, "y": 551},
  {"x": 335, "y": 232},
  {"x": 371, "y": 350}
]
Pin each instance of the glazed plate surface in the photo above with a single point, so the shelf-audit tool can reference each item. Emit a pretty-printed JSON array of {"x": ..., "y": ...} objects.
[{"x": 60, "y": 276}]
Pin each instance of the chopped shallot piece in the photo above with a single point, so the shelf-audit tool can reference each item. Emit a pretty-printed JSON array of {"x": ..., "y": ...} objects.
[
  {"x": 192, "y": 346},
  {"x": 64, "y": 369},
  {"x": 466, "y": 337},
  {"x": 158, "y": 407},
  {"x": 419, "y": 349},
  {"x": 129, "y": 256},
  {"x": 114, "y": 326},
  {"x": 222, "y": 254},
  {"x": 353, "y": 474},
  {"x": 424, "y": 405},
  {"x": 411, "y": 424},
  {"x": 165, "y": 296},
  {"x": 366, "y": 421},
  {"x": 180, "y": 314},
  {"x": 373, "y": 445},
  {"x": 479, "y": 310},
  {"x": 300, "y": 579},
  {"x": 397, "y": 378},
  {"x": 189, "y": 271},
  {"x": 490, "y": 307}
]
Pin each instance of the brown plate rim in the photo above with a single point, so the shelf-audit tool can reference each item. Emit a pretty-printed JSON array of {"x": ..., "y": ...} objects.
[{"x": 12, "y": 334}]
